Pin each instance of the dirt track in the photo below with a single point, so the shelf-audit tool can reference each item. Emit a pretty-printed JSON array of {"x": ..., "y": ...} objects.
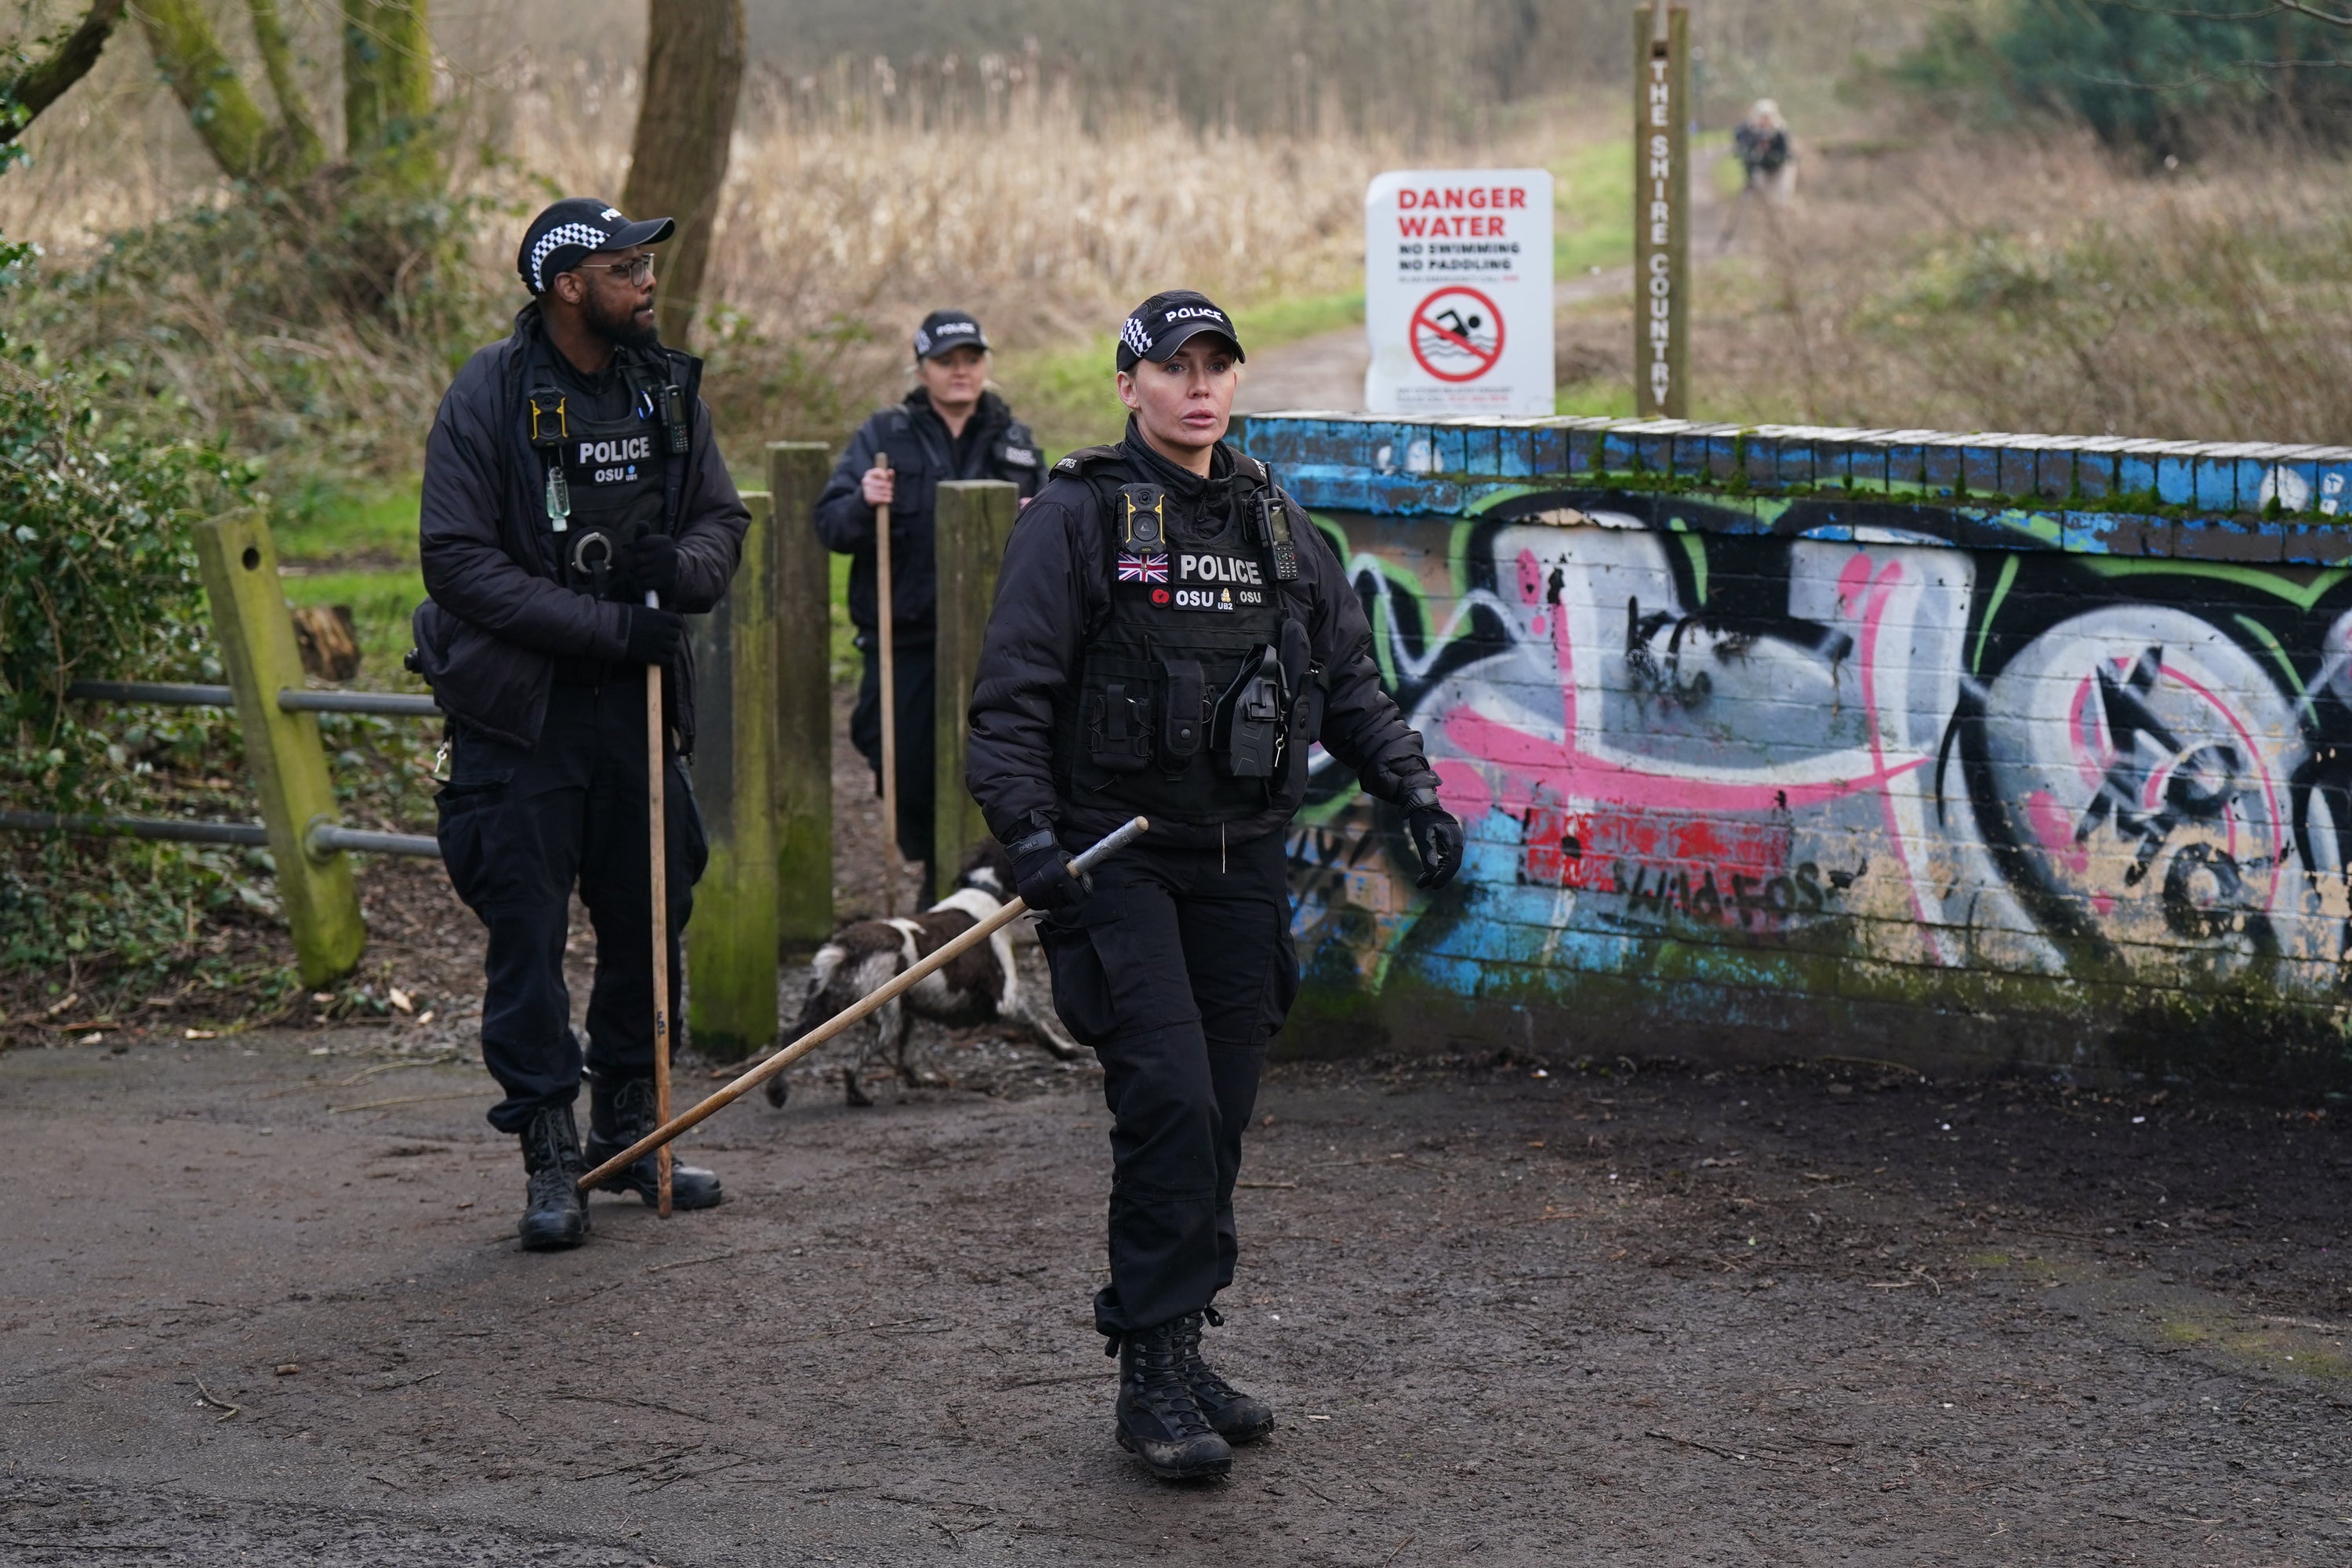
[{"x": 1505, "y": 1318}]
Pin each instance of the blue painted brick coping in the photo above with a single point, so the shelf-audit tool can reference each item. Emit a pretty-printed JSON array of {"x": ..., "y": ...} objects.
[{"x": 2214, "y": 501}]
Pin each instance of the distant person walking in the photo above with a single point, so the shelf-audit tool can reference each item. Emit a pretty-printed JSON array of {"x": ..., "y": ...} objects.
[
  {"x": 950, "y": 426},
  {"x": 1767, "y": 162},
  {"x": 1762, "y": 142}
]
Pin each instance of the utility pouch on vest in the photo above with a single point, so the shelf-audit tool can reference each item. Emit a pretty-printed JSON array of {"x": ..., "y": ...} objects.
[
  {"x": 1297, "y": 668},
  {"x": 590, "y": 561},
  {"x": 1276, "y": 534},
  {"x": 1249, "y": 729},
  {"x": 1118, "y": 728},
  {"x": 1142, "y": 519},
  {"x": 1180, "y": 719}
]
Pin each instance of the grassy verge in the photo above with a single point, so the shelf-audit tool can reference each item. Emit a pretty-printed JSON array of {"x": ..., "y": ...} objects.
[{"x": 1592, "y": 207}]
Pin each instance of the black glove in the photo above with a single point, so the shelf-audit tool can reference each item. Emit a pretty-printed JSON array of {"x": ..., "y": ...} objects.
[
  {"x": 649, "y": 566},
  {"x": 1436, "y": 838},
  {"x": 1043, "y": 872},
  {"x": 655, "y": 635}
]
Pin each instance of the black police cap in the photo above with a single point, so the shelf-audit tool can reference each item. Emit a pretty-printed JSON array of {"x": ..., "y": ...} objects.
[
  {"x": 1166, "y": 322},
  {"x": 945, "y": 329},
  {"x": 568, "y": 233}
]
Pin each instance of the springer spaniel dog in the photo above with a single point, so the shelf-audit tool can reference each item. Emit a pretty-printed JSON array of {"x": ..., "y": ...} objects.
[{"x": 982, "y": 985}]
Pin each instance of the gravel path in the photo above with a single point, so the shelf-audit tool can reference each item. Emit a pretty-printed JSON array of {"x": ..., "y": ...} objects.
[{"x": 1507, "y": 1315}]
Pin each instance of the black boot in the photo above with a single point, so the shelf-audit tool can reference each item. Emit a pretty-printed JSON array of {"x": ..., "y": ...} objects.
[
  {"x": 619, "y": 1115},
  {"x": 1238, "y": 1417},
  {"x": 1159, "y": 1422},
  {"x": 556, "y": 1213}
]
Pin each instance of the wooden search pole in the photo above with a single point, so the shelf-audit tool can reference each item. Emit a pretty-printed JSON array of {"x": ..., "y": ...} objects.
[
  {"x": 884, "y": 615},
  {"x": 659, "y": 1137},
  {"x": 658, "y": 842}
]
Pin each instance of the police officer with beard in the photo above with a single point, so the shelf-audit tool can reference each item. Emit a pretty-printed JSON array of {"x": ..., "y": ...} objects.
[
  {"x": 950, "y": 426},
  {"x": 1170, "y": 634},
  {"x": 571, "y": 472}
]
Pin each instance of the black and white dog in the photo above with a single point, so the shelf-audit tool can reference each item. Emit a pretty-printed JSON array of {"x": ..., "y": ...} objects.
[{"x": 982, "y": 985}]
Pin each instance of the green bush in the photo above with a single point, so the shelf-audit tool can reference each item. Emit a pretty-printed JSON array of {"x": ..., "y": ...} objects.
[
  {"x": 313, "y": 331},
  {"x": 2164, "y": 80},
  {"x": 98, "y": 582},
  {"x": 96, "y": 578}
]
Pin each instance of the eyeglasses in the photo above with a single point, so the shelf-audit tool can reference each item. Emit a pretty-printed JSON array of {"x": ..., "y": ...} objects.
[{"x": 639, "y": 270}]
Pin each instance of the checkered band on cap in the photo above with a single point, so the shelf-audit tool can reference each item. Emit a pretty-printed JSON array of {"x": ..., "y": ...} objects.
[
  {"x": 1135, "y": 337},
  {"x": 555, "y": 239}
]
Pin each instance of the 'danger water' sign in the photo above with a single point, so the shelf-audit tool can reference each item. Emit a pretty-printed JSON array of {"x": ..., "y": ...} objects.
[{"x": 1457, "y": 292}]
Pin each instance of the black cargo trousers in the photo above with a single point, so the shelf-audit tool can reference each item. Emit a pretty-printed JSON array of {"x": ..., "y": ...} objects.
[
  {"x": 1176, "y": 970},
  {"x": 519, "y": 827},
  {"x": 913, "y": 667}
]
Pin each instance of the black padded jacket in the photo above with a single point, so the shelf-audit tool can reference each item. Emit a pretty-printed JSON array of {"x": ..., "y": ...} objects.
[
  {"x": 1053, "y": 597},
  {"x": 999, "y": 446},
  {"x": 498, "y": 619}
]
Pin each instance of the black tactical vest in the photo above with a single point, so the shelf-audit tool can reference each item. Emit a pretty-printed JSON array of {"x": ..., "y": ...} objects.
[
  {"x": 1191, "y": 703},
  {"x": 606, "y": 480}
]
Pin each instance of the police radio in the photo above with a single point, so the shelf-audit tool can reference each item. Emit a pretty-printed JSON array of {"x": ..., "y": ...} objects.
[
  {"x": 1273, "y": 533},
  {"x": 674, "y": 419}
]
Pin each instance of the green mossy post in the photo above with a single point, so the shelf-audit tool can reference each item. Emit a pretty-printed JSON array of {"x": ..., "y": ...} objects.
[
  {"x": 802, "y": 597},
  {"x": 255, "y": 636},
  {"x": 975, "y": 519},
  {"x": 731, "y": 942}
]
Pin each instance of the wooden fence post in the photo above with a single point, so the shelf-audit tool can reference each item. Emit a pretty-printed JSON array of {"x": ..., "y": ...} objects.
[
  {"x": 975, "y": 519},
  {"x": 255, "y": 636},
  {"x": 732, "y": 940},
  {"x": 802, "y": 595}
]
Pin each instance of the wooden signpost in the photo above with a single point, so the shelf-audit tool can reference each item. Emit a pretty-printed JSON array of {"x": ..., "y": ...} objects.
[{"x": 1662, "y": 210}]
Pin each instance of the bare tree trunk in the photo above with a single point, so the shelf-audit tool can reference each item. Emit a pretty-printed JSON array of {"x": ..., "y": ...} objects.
[
  {"x": 694, "y": 74},
  {"x": 22, "y": 97},
  {"x": 388, "y": 94},
  {"x": 278, "y": 62},
  {"x": 239, "y": 135}
]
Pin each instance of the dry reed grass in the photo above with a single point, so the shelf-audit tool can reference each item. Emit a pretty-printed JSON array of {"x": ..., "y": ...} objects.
[
  {"x": 2034, "y": 286},
  {"x": 838, "y": 230}
]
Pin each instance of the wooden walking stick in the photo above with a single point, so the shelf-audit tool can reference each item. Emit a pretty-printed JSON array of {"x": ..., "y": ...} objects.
[
  {"x": 659, "y": 844},
  {"x": 892, "y": 873},
  {"x": 660, "y": 1136}
]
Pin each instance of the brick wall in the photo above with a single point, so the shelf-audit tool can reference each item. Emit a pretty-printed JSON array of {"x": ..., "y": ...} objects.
[{"x": 1942, "y": 748}]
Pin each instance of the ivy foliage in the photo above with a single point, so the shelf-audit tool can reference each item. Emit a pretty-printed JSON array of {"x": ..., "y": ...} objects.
[
  {"x": 97, "y": 577},
  {"x": 98, "y": 580}
]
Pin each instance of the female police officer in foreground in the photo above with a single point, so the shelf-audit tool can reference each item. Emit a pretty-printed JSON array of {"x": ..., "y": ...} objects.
[{"x": 1169, "y": 634}]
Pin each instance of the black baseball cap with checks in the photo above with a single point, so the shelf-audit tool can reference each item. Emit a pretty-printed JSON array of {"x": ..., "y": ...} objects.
[
  {"x": 1166, "y": 322},
  {"x": 574, "y": 228}
]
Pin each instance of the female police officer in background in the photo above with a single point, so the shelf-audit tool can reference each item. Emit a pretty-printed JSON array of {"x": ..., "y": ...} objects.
[
  {"x": 949, "y": 428},
  {"x": 1169, "y": 634}
]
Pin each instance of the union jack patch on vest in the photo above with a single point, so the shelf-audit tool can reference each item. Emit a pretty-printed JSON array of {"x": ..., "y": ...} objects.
[{"x": 1142, "y": 568}]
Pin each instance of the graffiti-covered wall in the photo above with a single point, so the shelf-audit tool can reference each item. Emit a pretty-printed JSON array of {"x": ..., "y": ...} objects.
[{"x": 1864, "y": 763}]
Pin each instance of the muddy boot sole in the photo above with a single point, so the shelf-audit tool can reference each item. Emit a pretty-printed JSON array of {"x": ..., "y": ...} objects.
[{"x": 1175, "y": 1466}]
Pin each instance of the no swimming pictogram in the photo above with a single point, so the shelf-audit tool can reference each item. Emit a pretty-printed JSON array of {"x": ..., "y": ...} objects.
[{"x": 1457, "y": 334}]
